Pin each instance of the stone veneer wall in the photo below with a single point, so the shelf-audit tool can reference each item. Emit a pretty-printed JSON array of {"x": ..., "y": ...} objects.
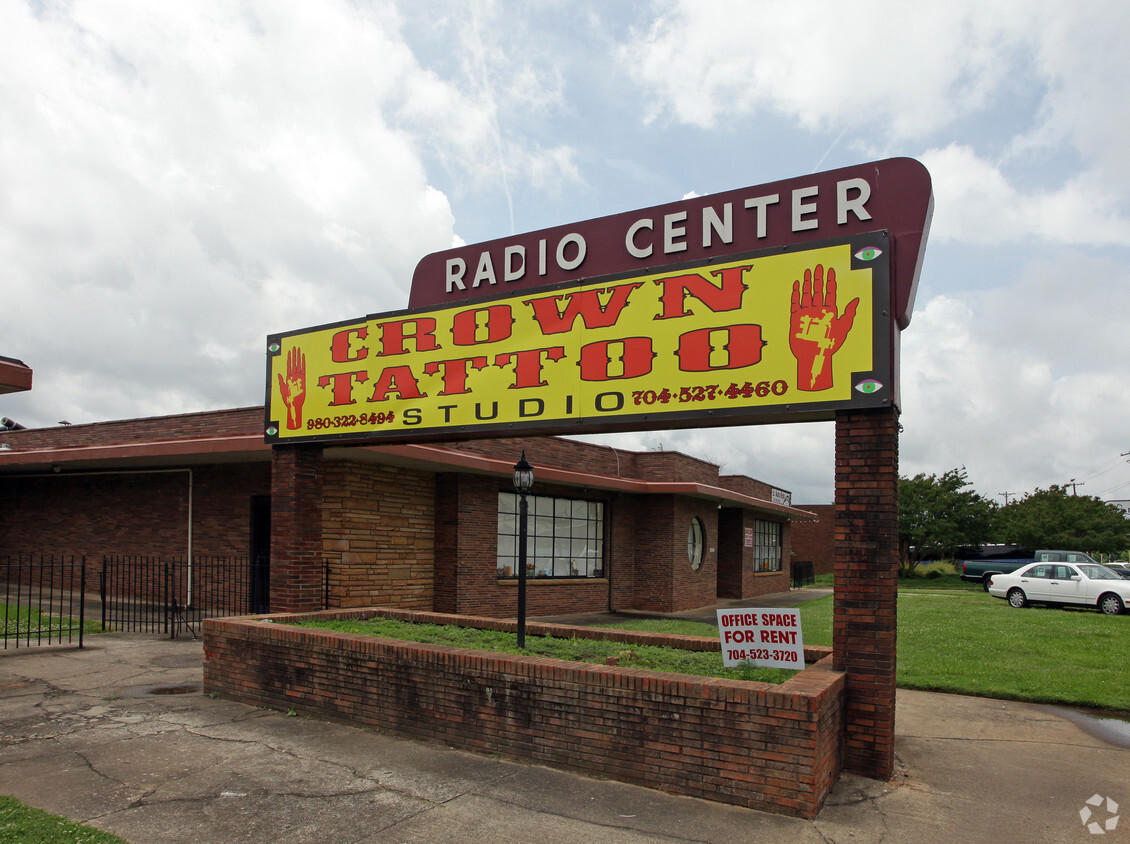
[
  {"x": 776, "y": 748},
  {"x": 378, "y": 535}
]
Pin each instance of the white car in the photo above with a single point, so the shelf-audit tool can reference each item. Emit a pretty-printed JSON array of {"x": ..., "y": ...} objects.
[{"x": 1086, "y": 584}]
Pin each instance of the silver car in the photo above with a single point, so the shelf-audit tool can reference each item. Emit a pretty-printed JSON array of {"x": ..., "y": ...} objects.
[{"x": 1085, "y": 584}]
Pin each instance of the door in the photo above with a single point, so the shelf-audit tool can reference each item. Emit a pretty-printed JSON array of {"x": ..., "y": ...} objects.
[
  {"x": 259, "y": 580},
  {"x": 1035, "y": 582},
  {"x": 1066, "y": 586}
]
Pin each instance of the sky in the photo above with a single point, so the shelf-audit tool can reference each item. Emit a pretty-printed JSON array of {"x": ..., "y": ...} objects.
[{"x": 178, "y": 180}]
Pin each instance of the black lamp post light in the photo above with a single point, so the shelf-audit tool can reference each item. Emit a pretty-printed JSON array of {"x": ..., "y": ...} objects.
[{"x": 523, "y": 483}]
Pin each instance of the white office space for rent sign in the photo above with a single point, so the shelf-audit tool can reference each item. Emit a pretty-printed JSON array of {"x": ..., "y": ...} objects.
[{"x": 769, "y": 638}]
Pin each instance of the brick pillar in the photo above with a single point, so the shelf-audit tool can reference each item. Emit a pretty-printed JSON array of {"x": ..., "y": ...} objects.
[
  {"x": 297, "y": 472},
  {"x": 866, "y": 568}
]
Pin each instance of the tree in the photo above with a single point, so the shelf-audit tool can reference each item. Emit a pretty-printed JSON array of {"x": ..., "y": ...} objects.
[
  {"x": 939, "y": 516},
  {"x": 1053, "y": 518}
]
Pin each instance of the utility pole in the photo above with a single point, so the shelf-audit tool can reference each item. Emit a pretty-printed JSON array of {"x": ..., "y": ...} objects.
[
  {"x": 1006, "y": 495},
  {"x": 1073, "y": 483}
]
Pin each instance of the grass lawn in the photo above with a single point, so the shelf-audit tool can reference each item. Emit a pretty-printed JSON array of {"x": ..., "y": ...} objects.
[
  {"x": 26, "y": 825},
  {"x": 19, "y": 620},
  {"x": 703, "y": 664},
  {"x": 952, "y": 637},
  {"x": 957, "y": 638}
]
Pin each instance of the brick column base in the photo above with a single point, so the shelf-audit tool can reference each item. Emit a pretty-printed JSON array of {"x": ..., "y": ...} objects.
[
  {"x": 297, "y": 473},
  {"x": 866, "y": 569}
]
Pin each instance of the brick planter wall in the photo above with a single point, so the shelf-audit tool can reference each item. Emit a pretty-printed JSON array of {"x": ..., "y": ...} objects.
[{"x": 775, "y": 748}]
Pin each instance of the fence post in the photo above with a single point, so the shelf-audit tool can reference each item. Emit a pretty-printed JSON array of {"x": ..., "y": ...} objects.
[
  {"x": 170, "y": 569},
  {"x": 102, "y": 591},
  {"x": 81, "y": 599}
]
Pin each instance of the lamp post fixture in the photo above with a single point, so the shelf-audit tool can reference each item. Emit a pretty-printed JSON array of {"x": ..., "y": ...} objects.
[{"x": 523, "y": 483}]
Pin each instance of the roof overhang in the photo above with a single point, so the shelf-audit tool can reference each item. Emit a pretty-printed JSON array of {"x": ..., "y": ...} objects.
[
  {"x": 235, "y": 449},
  {"x": 438, "y": 459},
  {"x": 250, "y": 448},
  {"x": 15, "y": 375}
]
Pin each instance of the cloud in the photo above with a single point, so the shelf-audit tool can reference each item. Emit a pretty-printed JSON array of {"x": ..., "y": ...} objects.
[
  {"x": 975, "y": 202},
  {"x": 1018, "y": 383},
  {"x": 476, "y": 108},
  {"x": 181, "y": 180},
  {"x": 911, "y": 68},
  {"x": 1016, "y": 100}
]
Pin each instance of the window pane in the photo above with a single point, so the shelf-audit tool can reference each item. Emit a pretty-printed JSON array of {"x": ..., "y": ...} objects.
[
  {"x": 507, "y": 523},
  {"x": 565, "y": 535}
]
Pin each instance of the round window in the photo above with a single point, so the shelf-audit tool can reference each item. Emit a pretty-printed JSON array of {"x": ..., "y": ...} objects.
[{"x": 694, "y": 543}]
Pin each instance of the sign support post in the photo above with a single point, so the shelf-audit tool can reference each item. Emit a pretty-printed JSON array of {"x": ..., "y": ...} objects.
[{"x": 866, "y": 594}]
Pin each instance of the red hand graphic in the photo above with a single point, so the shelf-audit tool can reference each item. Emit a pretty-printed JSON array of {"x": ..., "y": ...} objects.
[
  {"x": 816, "y": 330},
  {"x": 293, "y": 389}
]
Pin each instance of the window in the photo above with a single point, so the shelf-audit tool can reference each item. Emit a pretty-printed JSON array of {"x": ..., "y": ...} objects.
[
  {"x": 694, "y": 543},
  {"x": 766, "y": 546},
  {"x": 564, "y": 536}
]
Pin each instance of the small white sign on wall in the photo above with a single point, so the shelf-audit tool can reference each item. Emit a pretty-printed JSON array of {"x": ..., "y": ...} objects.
[{"x": 768, "y": 638}]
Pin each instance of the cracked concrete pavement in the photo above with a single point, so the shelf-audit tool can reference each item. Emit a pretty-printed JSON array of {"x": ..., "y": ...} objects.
[{"x": 87, "y": 734}]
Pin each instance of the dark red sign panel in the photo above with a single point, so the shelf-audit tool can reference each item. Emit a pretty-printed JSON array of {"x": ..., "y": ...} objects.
[{"x": 893, "y": 195}]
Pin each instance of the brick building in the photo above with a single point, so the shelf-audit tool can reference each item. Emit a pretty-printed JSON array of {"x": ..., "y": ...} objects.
[
  {"x": 428, "y": 527},
  {"x": 815, "y": 540}
]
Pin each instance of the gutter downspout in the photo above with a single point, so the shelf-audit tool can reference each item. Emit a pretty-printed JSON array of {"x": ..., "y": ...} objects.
[{"x": 188, "y": 601}]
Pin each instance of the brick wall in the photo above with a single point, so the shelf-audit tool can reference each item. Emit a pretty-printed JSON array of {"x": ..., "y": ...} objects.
[
  {"x": 218, "y": 423},
  {"x": 590, "y": 457},
  {"x": 736, "y": 575},
  {"x": 691, "y": 588},
  {"x": 378, "y": 535},
  {"x": 142, "y": 512},
  {"x": 774, "y": 748},
  {"x": 816, "y": 541},
  {"x": 664, "y": 579},
  {"x": 747, "y": 486}
]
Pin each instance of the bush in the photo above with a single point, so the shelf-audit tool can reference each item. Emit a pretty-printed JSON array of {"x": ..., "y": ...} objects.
[{"x": 935, "y": 569}]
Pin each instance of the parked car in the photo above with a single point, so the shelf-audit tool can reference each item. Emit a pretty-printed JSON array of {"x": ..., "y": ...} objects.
[
  {"x": 1121, "y": 569},
  {"x": 981, "y": 571},
  {"x": 1083, "y": 584}
]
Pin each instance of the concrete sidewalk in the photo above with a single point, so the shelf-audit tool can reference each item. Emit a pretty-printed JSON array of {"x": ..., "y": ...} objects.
[{"x": 119, "y": 736}]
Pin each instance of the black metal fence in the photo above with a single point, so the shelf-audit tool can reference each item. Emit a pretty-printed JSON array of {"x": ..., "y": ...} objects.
[
  {"x": 46, "y": 599},
  {"x": 173, "y": 595},
  {"x": 43, "y": 600}
]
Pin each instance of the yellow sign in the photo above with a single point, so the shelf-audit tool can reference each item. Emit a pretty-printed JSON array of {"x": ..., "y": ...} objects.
[{"x": 801, "y": 332}]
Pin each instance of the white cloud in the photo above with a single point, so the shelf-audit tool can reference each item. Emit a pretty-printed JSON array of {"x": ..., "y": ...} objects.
[
  {"x": 181, "y": 180},
  {"x": 975, "y": 202},
  {"x": 888, "y": 76},
  {"x": 1018, "y": 383},
  {"x": 911, "y": 68}
]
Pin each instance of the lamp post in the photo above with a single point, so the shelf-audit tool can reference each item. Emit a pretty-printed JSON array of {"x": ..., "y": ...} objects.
[{"x": 523, "y": 483}]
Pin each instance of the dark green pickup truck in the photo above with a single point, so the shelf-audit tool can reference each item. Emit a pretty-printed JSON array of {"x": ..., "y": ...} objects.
[{"x": 979, "y": 571}]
